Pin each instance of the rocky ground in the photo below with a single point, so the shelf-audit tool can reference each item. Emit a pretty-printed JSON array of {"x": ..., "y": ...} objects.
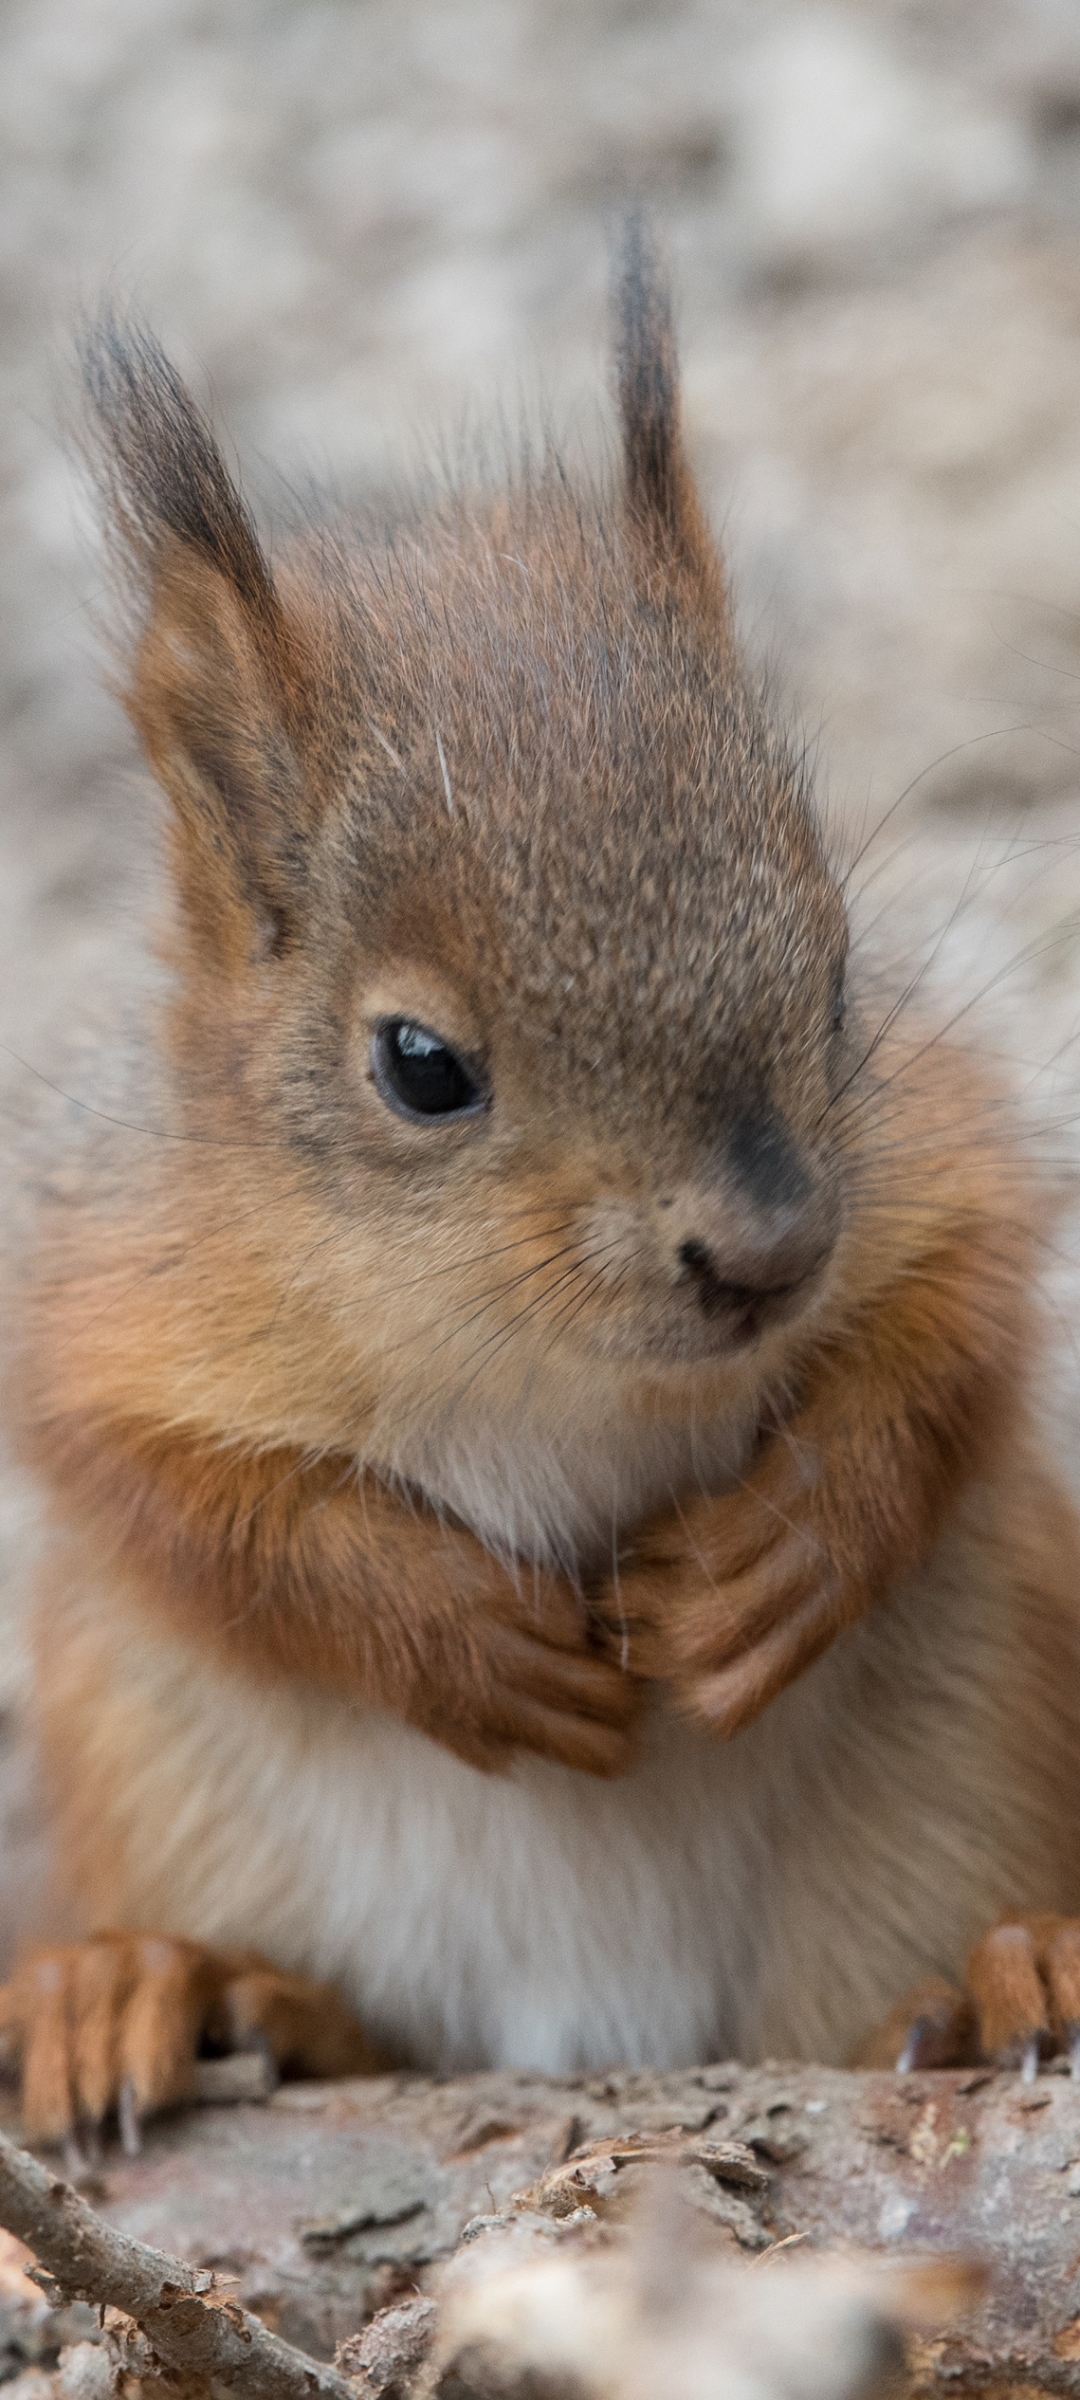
[{"x": 357, "y": 221}]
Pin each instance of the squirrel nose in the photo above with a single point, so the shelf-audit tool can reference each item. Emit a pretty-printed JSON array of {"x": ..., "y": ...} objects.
[
  {"x": 746, "y": 1281},
  {"x": 753, "y": 1229}
]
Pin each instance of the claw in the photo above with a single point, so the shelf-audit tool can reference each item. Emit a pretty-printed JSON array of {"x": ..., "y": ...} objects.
[
  {"x": 922, "y": 2047},
  {"x": 258, "y": 2045},
  {"x": 1029, "y": 2063},
  {"x": 128, "y": 2118}
]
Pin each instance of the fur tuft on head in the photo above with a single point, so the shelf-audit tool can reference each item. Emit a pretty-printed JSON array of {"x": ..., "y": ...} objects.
[
  {"x": 219, "y": 678},
  {"x": 161, "y": 472},
  {"x": 661, "y": 502},
  {"x": 648, "y": 381}
]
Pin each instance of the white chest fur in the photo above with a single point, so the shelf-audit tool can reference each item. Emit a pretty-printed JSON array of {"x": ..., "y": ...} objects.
[
  {"x": 565, "y": 1500},
  {"x": 774, "y": 1894}
]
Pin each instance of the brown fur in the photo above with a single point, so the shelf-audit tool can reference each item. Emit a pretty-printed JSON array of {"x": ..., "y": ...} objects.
[{"x": 503, "y": 775}]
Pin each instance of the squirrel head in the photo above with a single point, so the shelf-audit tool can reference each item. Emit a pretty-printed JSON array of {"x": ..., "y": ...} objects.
[{"x": 509, "y": 958}]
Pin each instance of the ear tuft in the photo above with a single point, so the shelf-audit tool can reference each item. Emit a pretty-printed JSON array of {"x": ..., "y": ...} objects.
[
  {"x": 161, "y": 473},
  {"x": 218, "y": 674},
  {"x": 648, "y": 382},
  {"x": 661, "y": 502}
]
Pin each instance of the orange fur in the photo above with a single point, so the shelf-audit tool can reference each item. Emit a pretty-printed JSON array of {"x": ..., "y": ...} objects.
[
  {"x": 299, "y": 1567},
  {"x": 89, "y": 2018},
  {"x": 917, "y": 1384}
]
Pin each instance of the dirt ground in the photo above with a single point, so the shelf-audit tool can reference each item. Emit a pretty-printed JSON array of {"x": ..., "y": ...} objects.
[{"x": 359, "y": 222}]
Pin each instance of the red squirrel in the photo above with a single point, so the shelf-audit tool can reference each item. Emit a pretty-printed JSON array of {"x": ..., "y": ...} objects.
[{"x": 552, "y": 1561}]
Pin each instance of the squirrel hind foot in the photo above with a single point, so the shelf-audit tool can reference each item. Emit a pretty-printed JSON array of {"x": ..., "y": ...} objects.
[
  {"x": 111, "y": 2029},
  {"x": 1018, "y": 2005}
]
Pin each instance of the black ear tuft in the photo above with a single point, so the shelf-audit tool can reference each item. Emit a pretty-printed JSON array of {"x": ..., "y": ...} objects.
[
  {"x": 218, "y": 674},
  {"x": 648, "y": 384},
  {"x": 161, "y": 473},
  {"x": 663, "y": 510}
]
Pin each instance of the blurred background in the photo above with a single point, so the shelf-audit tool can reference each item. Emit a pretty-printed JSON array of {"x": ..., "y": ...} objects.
[{"x": 357, "y": 221}]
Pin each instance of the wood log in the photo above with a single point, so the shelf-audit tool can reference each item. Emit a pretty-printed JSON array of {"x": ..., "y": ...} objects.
[{"x": 326, "y": 2202}]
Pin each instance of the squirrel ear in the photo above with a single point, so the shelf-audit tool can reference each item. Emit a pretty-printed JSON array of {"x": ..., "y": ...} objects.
[
  {"x": 661, "y": 501},
  {"x": 219, "y": 683}
]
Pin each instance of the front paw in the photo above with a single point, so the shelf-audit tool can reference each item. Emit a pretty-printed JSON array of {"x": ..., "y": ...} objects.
[
  {"x": 113, "y": 2026},
  {"x": 729, "y": 1600},
  {"x": 543, "y": 1681}
]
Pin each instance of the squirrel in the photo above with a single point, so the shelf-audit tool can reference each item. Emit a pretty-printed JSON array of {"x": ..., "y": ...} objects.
[{"x": 552, "y": 1557}]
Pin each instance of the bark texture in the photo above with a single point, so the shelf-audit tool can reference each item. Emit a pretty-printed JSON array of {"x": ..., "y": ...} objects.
[{"x": 323, "y": 2204}]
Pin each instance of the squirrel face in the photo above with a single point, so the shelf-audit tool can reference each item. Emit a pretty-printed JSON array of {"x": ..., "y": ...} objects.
[
  {"x": 505, "y": 928},
  {"x": 594, "y": 978}
]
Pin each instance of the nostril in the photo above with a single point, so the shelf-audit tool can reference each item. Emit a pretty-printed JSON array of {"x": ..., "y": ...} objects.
[
  {"x": 715, "y": 1291},
  {"x": 699, "y": 1259},
  {"x": 776, "y": 1280}
]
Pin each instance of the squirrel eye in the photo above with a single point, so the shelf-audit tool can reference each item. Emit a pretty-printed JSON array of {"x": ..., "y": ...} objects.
[{"x": 419, "y": 1075}]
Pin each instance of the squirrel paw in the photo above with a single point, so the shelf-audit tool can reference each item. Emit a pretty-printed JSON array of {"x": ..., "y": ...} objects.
[
  {"x": 543, "y": 1682},
  {"x": 114, "y": 2025},
  {"x": 729, "y": 1600},
  {"x": 1019, "y": 2003}
]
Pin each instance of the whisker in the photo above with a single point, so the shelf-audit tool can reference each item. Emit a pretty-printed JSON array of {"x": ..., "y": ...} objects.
[
  {"x": 487, "y": 1301},
  {"x": 1021, "y": 958},
  {"x": 157, "y": 1133},
  {"x": 995, "y": 734},
  {"x": 495, "y": 1342}
]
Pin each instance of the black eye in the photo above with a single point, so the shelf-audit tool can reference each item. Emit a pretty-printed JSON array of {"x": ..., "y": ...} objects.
[{"x": 420, "y": 1075}]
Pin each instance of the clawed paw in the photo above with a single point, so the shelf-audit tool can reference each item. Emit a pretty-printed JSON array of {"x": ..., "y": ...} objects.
[
  {"x": 1024, "y": 1983},
  {"x": 732, "y": 1600},
  {"x": 1019, "y": 2004},
  {"x": 112, "y": 2027}
]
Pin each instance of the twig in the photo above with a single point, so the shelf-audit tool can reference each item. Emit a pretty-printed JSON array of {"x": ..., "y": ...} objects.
[{"x": 213, "y": 2344}]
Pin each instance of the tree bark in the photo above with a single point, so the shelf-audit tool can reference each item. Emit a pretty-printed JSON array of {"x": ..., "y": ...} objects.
[{"x": 327, "y": 2202}]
